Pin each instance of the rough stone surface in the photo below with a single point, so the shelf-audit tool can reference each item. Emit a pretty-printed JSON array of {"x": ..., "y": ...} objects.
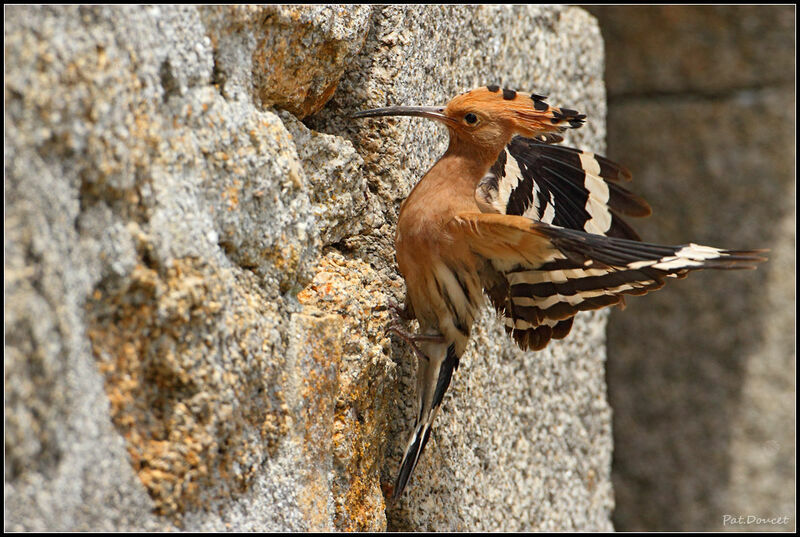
[
  {"x": 292, "y": 57},
  {"x": 701, "y": 377},
  {"x": 191, "y": 275}
]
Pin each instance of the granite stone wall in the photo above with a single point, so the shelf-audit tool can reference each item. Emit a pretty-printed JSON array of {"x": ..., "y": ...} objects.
[{"x": 196, "y": 237}]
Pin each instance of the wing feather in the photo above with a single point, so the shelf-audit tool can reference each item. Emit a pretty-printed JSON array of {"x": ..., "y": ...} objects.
[
  {"x": 577, "y": 189},
  {"x": 556, "y": 185},
  {"x": 551, "y": 273}
]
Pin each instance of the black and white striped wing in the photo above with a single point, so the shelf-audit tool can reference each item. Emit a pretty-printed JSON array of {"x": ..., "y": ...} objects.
[
  {"x": 561, "y": 186},
  {"x": 545, "y": 274},
  {"x": 591, "y": 272},
  {"x": 573, "y": 198}
]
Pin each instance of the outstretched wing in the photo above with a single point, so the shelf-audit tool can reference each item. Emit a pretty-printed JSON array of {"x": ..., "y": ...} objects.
[
  {"x": 561, "y": 186},
  {"x": 555, "y": 185},
  {"x": 550, "y": 273}
]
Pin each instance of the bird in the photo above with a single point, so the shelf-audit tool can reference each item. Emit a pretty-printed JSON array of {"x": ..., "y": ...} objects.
[{"x": 509, "y": 214}]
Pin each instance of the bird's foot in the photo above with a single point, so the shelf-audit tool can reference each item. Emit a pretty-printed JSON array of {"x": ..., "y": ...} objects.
[
  {"x": 399, "y": 314},
  {"x": 412, "y": 339}
]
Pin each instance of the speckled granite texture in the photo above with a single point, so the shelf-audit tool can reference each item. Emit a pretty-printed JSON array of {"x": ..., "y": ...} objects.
[{"x": 191, "y": 272}]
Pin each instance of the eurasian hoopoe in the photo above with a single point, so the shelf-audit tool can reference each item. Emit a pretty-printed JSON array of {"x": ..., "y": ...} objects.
[{"x": 535, "y": 225}]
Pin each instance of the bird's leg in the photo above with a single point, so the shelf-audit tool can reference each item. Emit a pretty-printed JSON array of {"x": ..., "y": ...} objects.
[
  {"x": 412, "y": 339},
  {"x": 397, "y": 313}
]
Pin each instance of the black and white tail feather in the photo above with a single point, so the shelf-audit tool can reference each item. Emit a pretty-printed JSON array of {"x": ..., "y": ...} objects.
[{"x": 433, "y": 379}]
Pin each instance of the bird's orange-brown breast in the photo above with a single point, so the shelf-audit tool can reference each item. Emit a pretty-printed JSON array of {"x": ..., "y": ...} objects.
[{"x": 427, "y": 253}]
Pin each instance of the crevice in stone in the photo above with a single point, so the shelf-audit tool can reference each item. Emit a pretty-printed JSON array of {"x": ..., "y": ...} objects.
[
  {"x": 169, "y": 82},
  {"x": 218, "y": 76}
]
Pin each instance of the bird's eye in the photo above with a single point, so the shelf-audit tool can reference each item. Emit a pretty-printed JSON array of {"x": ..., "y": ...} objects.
[{"x": 471, "y": 119}]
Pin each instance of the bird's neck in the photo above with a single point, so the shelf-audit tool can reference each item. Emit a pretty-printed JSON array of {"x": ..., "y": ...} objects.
[
  {"x": 449, "y": 186},
  {"x": 470, "y": 160}
]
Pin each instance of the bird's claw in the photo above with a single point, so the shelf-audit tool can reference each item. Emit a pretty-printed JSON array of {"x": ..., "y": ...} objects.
[
  {"x": 402, "y": 313},
  {"x": 397, "y": 315},
  {"x": 408, "y": 338},
  {"x": 412, "y": 339}
]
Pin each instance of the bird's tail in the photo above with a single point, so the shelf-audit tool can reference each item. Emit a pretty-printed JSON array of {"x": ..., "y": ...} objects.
[{"x": 433, "y": 379}]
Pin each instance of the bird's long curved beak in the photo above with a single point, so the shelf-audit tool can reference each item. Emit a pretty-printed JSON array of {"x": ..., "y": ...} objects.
[{"x": 430, "y": 112}]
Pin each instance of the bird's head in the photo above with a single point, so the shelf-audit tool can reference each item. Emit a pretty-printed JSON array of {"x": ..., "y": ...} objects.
[{"x": 485, "y": 119}]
